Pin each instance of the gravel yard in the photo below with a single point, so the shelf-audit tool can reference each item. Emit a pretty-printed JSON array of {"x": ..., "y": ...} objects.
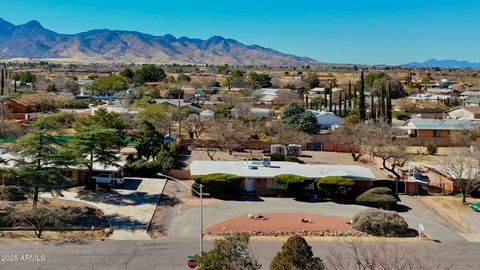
[{"x": 283, "y": 223}]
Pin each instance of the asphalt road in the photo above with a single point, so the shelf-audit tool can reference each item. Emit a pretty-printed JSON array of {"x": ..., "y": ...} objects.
[
  {"x": 159, "y": 254},
  {"x": 186, "y": 226}
]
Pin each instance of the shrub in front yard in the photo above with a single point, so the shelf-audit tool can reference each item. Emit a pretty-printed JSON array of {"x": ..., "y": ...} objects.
[
  {"x": 379, "y": 198},
  {"x": 293, "y": 183},
  {"x": 11, "y": 193},
  {"x": 296, "y": 254},
  {"x": 220, "y": 184},
  {"x": 294, "y": 159},
  {"x": 380, "y": 223},
  {"x": 277, "y": 157},
  {"x": 335, "y": 187},
  {"x": 432, "y": 148}
]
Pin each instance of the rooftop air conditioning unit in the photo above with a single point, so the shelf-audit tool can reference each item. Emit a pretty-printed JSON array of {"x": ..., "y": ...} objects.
[{"x": 266, "y": 161}]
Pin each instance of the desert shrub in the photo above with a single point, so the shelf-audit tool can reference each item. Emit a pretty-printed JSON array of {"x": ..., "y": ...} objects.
[
  {"x": 195, "y": 187},
  {"x": 379, "y": 198},
  {"x": 220, "y": 184},
  {"x": 380, "y": 223},
  {"x": 294, "y": 159},
  {"x": 432, "y": 147},
  {"x": 77, "y": 104},
  {"x": 11, "y": 193},
  {"x": 335, "y": 187},
  {"x": 277, "y": 157},
  {"x": 400, "y": 115},
  {"x": 293, "y": 183},
  {"x": 296, "y": 254}
]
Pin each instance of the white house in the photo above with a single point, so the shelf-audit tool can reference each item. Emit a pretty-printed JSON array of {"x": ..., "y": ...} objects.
[
  {"x": 207, "y": 115},
  {"x": 467, "y": 112},
  {"x": 326, "y": 119}
]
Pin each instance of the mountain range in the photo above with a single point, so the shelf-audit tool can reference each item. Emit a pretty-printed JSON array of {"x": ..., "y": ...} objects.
[
  {"x": 444, "y": 63},
  {"x": 33, "y": 41}
]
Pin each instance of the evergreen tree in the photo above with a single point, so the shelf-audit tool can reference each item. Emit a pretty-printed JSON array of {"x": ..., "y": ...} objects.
[
  {"x": 296, "y": 254},
  {"x": 349, "y": 94},
  {"x": 2, "y": 83},
  {"x": 37, "y": 168},
  {"x": 361, "y": 102},
  {"x": 389, "y": 106},
  {"x": 149, "y": 141},
  {"x": 330, "y": 97},
  {"x": 372, "y": 108},
  {"x": 325, "y": 98},
  {"x": 340, "y": 104},
  {"x": 381, "y": 104}
]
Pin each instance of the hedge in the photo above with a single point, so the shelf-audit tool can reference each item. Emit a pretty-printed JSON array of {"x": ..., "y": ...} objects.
[
  {"x": 277, "y": 157},
  {"x": 220, "y": 184},
  {"x": 291, "y": 182},
  {"x": 335, "y": 187},
  {"x": 379, "y": 198},
  {"x": 380, "y": 223},
  {"x": 294, "y": 159}
]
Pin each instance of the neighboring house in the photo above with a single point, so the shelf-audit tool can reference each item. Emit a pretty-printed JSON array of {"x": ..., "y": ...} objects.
[
  {"x": 258, "y": 176},
  {"x": 435, "y": 128},
  {"x": 207, "y": 115},
  {"x": 470, "y": 93},
  {"x": 326, "y": 119},
  {"x": 262, "y": 113},
  {"x": 175, "y": 103},
  {"x": 431, "y": 97},
  {"x": 466, "y": 112},
  {"x": 271, "y": 96},
  {"x": 440, "y": 91},
  {"x": 78, "y": 174},
  {"x": 472, "y": 101}
]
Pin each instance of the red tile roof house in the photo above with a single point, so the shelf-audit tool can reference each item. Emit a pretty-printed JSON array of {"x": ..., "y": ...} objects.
[{"x": 258, "y": 176}]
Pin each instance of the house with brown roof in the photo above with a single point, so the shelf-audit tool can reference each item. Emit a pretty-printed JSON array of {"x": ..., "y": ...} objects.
[{"x": 465, "y": 112}]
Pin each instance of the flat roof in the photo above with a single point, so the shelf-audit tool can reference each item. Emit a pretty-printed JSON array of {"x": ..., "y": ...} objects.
[
  {"x": 439, "y": 124},
  {"x": 241, "y": 168}
]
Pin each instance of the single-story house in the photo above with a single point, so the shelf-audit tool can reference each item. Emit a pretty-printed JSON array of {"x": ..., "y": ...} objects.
[
  {"x": 466, "y": 112},
  {"x": 435, "y": 128},
  {"x": 326, "y": 119},
  {"x": 472, "y": 101},
  {"x": 78, "y": 174},
  {"x": 207, "y": 115},
  {"x": 175, "y": 103},
  {"x": 431, "y": 97},
  {"x": 262, "y": 113},
  {"x": 258, "y": 176},
  {"x": 271, "y": 96}
]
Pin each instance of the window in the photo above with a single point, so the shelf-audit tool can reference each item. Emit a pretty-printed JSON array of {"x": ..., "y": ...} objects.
[
  {"x": 436, "y": 133},
  {"x": 271, "y": 184}
]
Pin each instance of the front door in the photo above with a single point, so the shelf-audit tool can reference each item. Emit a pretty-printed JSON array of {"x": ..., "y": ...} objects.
[{"x": 249, "y": 185}]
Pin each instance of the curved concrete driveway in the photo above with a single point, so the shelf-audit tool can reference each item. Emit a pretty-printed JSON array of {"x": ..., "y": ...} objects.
[
  {"x": 128, "y": 209},
  {"x": 186, "y": 226}
]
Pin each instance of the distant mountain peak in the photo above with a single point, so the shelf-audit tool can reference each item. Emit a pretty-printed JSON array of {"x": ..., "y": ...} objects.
[
  {"x": 32, "y": 40},
  {"x": 446, "y": 63}
]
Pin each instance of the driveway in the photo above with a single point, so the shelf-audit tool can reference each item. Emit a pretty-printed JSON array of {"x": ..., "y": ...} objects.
[
  {"x": 186, "y": 226},
  {"x": 128, "y": 209}
]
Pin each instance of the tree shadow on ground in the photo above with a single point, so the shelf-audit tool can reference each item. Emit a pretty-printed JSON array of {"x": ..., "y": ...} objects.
[
  {"x": 130, "y": 184},
  {"x": 125, "y": 223},
  {"x": 115, "y": 198},
  {"x": 401, "y": 208}
]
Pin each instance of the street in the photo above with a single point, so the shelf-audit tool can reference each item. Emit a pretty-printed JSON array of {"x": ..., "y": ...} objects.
[{"x": 158, "y": 254}]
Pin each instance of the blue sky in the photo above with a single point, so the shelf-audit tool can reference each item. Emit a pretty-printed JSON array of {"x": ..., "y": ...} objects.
[{"x": 347, "y": 31}]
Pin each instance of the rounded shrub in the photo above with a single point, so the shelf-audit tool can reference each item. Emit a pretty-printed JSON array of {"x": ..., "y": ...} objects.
[
  {"x": 378, "y": 197},
  {"x": 294, "y": 159},
  {"x": 291, "y": 182},
  {"x": 195, "y": 187},
  {"x": 277, "y": 157},
  {"x": 296, "y": 254},
  {"x": 335, "y": 187},
  {"x": 220, "y": 184},
  {"x": 432, "y": 148},
  {"x": 380, "y": 223}
]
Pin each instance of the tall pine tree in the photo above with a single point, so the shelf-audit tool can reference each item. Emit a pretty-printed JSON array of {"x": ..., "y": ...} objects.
[
  {"x": 361, "y": 102},
  {"x": 388, "y": 106}
]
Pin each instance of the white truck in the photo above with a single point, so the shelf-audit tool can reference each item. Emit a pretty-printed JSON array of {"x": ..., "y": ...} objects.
[{"x": 108, "y": 179}]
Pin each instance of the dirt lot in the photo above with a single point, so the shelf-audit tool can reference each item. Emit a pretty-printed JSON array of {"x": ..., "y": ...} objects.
[
  {"x": 457, "y": 213},
  {"x": 54, "y": 235},
  {"x": 281, "y": 222}
]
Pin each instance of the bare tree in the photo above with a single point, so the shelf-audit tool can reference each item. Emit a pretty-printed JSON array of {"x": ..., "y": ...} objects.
[
  {"x": 384, "y": 144},
  {"x": 229, "y": 135},
  {"x": 382, "y": 255},
  {"x": 40, "y": 217},
  {"x": 354, "y": 137},
  {"x": 195, "y": 126},
  {"x": 462, "y": 167}
]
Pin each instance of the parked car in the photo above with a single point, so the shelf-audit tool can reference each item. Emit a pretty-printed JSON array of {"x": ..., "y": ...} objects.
[
  {"x": 108, "y": 179},
  {"x": 475, "y": 206}
]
